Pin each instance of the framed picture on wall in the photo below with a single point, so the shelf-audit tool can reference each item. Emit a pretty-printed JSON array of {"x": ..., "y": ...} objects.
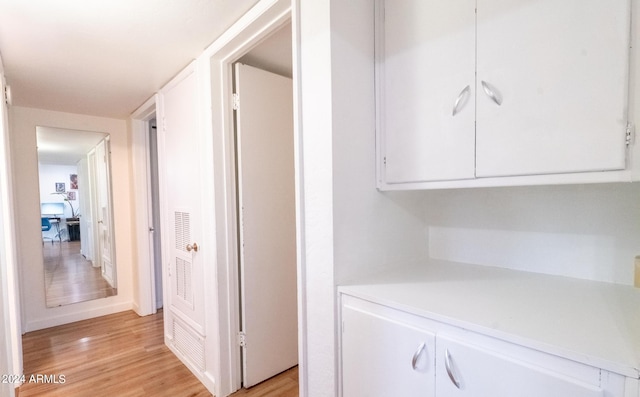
[
  {"x": 71, "y": 196},
  {"x": 73, "y": 182},
  {"x": 60, "y": 187}
]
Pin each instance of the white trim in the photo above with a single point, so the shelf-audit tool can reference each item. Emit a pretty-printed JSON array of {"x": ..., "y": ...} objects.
[
  {"x": 299, "y": 183},
  {"x": 265, "y": 18},
  {"x": 144, "y": 303},
  {"x": 78, "y": 316},
  {"x": 9, "y": 282}
]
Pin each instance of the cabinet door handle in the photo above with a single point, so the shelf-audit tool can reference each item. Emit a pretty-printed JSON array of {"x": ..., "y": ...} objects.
[
  {"x": 458, "y": 101},
  {"x": 448, "y": 366},
  {"x": 416, "y": 355},
  {"x": 491, "y": 93}
]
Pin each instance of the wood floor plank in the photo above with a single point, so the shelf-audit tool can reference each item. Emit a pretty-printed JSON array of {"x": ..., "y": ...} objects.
[{"x": 120, "y": 355}]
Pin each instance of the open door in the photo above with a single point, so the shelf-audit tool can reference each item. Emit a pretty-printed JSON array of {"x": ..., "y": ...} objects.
[{"x": 266, "y": 208}]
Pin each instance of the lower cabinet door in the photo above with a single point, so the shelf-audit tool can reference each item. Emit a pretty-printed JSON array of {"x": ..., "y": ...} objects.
[
  {"x": 383, "y": 357},
  {"x": 467, "y": 370}
]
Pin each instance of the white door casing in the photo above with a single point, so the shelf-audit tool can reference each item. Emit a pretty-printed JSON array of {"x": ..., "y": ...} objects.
[{"x": 266, "y": 192}]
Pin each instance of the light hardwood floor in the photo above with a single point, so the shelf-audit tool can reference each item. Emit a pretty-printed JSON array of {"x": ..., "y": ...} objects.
[
  {"x": 120, "y": 355},
  {"x": 69, "y": 277}
]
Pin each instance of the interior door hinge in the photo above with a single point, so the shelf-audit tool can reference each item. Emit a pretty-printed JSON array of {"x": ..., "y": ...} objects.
[
  {"x": 630, "y": 133},
  {"x": 236, "y": 101},
  {"x": 242, "y": 339}
]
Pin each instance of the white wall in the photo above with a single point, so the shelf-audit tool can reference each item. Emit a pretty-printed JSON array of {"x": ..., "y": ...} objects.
[
  {"x": 49, "y": 175},
  {"x": 23, "y": 140},
  {"x": 582, "y": 231}
]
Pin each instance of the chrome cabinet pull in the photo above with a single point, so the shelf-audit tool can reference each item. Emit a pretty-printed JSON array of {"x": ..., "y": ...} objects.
[
  {"x": 416, "y": 355},
  {"x": 448, "y": 366},
  {"x": 458, "y": 101},
  {"x": 491, "y": 93}
]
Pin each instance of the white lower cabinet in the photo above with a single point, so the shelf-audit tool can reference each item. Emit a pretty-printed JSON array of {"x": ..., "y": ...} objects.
[
  {"x": 375, "y": 367},
  {"x": 466, "y": 370},
  {"x": 388, "y": 352}
]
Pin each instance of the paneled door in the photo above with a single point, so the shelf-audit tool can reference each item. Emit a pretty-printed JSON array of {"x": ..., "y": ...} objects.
[
  {"x": 180, "y": 181},
  {"x": 104, "y": 218},
  {"x": 264, "y": 127}
]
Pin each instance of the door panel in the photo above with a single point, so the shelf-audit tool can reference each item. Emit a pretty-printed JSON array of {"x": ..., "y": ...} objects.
[
  {"x": 426, "y": 68},
  {"x": 560, "y": 70},
  {"x": 179, "y": 183},
  {"x": 264, "y": 127},
  {"x": 105, "y": 222}
]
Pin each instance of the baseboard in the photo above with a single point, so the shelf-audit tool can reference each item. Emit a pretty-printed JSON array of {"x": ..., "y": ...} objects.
[{"x": 77, "y": 316}]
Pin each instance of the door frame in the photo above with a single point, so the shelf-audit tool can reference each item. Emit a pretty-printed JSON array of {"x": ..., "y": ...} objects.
[
  {"x": 145, "y": 302},
  {"x": 260, "y": 22}
]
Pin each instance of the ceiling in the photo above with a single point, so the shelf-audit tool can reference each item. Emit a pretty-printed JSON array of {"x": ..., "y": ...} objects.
[
  {"x": 65, "y": 147},
  {"x": 104, "y": 57}
]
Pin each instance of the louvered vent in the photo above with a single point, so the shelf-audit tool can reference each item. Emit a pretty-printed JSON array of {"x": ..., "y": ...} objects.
[
  {"x": 183, "y": 280},
  {"x": 189, "y": 344},
  {"x": 183, "y": 230}
]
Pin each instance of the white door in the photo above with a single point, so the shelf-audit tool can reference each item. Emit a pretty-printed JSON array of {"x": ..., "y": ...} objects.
[
  {"x": 428, "y": 90},
  {"x": 264, "y": 126},
  {"x": 384, "y": 357},
  {"x": 559, "y": 70},
  {"x": 181, "y": 177},
  {"x": 104, "y": 218}
]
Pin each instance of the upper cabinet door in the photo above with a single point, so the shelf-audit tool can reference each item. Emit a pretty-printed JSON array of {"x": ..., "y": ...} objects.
[
  {"x": 559, "y": 71},
  {"x": 426, "y": 66}
]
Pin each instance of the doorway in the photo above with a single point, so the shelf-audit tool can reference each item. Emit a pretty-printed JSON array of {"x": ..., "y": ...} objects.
[
  {"x": 257, "y": 47},
  {"x": 154, "y": 212}
]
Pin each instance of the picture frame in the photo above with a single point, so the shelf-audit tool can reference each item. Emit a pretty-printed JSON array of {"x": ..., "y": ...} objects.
[
  {"x": 71, "y": 196},
  {"x": 60, "y": 187},
  {"x": 73, "y": 181}
]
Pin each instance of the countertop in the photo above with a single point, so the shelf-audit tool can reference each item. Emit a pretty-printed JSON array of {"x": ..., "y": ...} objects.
[{"x": 591, "y": 322}]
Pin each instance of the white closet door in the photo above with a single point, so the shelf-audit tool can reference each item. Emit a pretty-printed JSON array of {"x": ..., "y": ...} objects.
[
  {"x": 264, "y": 127},
  {"x": 426, "y": 68},
  {"x": 560, "y": 70},
  {"x": 180, "y": 182}
]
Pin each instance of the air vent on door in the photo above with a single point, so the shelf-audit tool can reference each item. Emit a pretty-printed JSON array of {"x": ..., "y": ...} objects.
[
  {"x": 183, "y": 230},
  {"x": 183, "y": 280}
]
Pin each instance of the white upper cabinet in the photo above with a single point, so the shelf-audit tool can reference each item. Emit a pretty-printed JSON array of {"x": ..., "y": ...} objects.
[
  {"x": 428, "y": 68},
  {"x": 485, "y": 92},
  {"x": 559, "y": 69}
]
